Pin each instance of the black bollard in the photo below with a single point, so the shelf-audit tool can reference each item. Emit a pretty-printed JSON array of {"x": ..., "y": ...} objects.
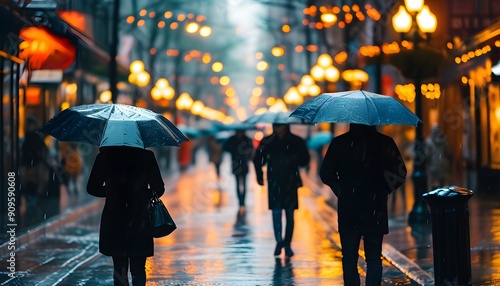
[{"x": 450, "y": 235}]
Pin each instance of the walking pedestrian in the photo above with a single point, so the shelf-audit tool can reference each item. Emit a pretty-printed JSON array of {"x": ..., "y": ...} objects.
[
  {"x": 438, "y": 158},
  {"x": 71, "y": 164},
  {"x": 241, "y": 149},
  {"x": 283, "y": 152},
  {"x": 122, "y": 175},
  {"x": 215, "y": 156},
  {"x": 362, "y": 167}
]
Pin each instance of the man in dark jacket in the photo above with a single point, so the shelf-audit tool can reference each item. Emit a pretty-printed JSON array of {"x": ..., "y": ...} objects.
[
  {"x": 362, "y": 167},
  {"x": 122, "y": 176},
  {"x": 241, "y": 149},
  {"x": 284, "y": 153}
]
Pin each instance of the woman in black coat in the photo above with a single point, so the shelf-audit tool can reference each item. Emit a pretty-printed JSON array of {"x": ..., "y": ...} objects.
[
  {"x": 362, "y": 167},
  {"x": 122, "y": 176},
  {"x": 284, "y": 153}
]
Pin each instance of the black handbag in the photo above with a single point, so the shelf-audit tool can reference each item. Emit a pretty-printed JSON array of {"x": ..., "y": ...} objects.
[{"x": 161, "y": 221}]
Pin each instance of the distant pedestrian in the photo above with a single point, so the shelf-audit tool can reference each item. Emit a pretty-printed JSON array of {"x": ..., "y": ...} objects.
[
  {"x": 34, "y": 162},
  {"x": 122, "y": 176},
  {"x": 438, "y": 158},
  {"x": 71, "y": 164},
  {"x": 241, "y": 149},
  {"x": 283, "y": 152},
  {"x": 362, "y": 167},
  {"x": 215, "y": 155}
]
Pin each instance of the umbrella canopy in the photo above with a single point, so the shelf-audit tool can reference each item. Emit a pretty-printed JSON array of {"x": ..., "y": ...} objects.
[
  {"x": 113, "y": 125},
  {"x": 319, "y": 139},
  {"x": 356, "y": 106},
  {"x": 275, "y": 117}
]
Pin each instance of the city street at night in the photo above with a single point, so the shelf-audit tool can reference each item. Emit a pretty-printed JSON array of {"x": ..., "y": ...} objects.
[{"x": 278, "y": 133}]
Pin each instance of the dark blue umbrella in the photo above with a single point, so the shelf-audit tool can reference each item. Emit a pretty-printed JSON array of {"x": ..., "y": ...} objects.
[
  {"x": 319, "y": 139},
  {"x": 357, "y": 106},
  {"x": 113, "y": 125}
]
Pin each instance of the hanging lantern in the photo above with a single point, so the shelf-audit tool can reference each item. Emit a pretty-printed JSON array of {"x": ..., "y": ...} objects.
[{"x": 42, "y": 49}]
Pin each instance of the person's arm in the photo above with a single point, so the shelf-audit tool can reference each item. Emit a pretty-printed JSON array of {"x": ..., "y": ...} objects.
[
  {"x": 156, "y": 183},
  {"x": 260, "y": 160},
  {"x": 95, "y": 184},
  {"x": 328, "y": 171},
  {"x": 395, "y": 171}
]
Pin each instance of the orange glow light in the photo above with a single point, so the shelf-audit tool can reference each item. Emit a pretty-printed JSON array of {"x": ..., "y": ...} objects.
[
  {"x": 44, "y": 50},
  {"x": 75, "y": 18},
  {"x": 33, "y": 95}
]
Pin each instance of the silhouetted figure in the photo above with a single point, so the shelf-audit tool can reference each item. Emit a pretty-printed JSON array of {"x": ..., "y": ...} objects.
[
  {"x": 438, "y": 158},
  {"x": 284, "y": 153},
  {"x": 71, "y": 163},
  {"x": 34, "y": 154},
  {"x": 122, "y": 176},
  {"x": 362, "y": 167},
  {"x": 241, "y": 149},
  {"x": 215, "y": 155}
]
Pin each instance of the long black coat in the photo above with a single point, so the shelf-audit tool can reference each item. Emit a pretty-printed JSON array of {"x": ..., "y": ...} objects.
[
  {"x": 363, "y": 167},
  {"x": 283, "y": 158},
  {"x": 122, "y": 176},
  {"x": 241, "y": 150}
]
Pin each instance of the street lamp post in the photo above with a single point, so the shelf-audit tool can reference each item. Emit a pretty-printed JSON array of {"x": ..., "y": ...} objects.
[{"x": 416, "y": 19}]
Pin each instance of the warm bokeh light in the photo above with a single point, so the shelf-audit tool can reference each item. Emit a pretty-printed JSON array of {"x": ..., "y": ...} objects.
[
  {"x": 270, "y": 101},
  {"x": 277, "y": 51},
  {"x": 325, "y": 60},
  {"x": 224, "y": 80},
  {"x": 205, "y": 31},
  {"x": 105, "y": 96},
  {"x": 306, "y": 80},
  {"x": 217, "y": 66},
  {"x": 260, "y": 80},
  {"x": 142, "y": 78},
  {"x": 427, "y": 21},
  {"x": 257, "y": 91},
  {"x": 332, "y": 74},
  {"x": 278, "y": 105},
  {"x": 293, "y": 97},
  {"x": 401, "y": 21},
  {"x": 192, "y": 27},
  {"x": 197, "y": 107},
  {"x": 184, "y": 101},
  {"x": 262, "y": 66},
  {"x": 136, "y": 66}
]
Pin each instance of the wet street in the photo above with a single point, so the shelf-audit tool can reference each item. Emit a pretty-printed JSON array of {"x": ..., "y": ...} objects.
[{"x": 213, "y": 245}]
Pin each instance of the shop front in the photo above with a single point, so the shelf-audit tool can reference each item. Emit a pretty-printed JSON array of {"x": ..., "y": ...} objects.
[{"x": 473, "y": 75}]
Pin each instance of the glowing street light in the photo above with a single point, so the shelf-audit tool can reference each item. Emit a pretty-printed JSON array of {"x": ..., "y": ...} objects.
[{"x": 416, "y": 16}]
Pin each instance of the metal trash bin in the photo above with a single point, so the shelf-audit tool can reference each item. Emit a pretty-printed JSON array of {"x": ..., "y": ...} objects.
[{"x": 450, "y": 235}]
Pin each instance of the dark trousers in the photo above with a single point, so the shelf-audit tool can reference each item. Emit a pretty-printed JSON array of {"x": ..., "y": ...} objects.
[
  {"x": 137, "y": 269},
  {"x": 373, "y": 253},
  {"x": 241, "y": 188},
  {"x": 278, "y": 225}
]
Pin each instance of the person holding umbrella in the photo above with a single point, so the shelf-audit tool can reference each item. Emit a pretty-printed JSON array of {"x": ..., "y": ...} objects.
[
  {"x": 283, "y": 152},
  {"x": 241, "y": 149},
  {"x": 362, "y": 167},
  {"x": 124, "y": 173}
]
